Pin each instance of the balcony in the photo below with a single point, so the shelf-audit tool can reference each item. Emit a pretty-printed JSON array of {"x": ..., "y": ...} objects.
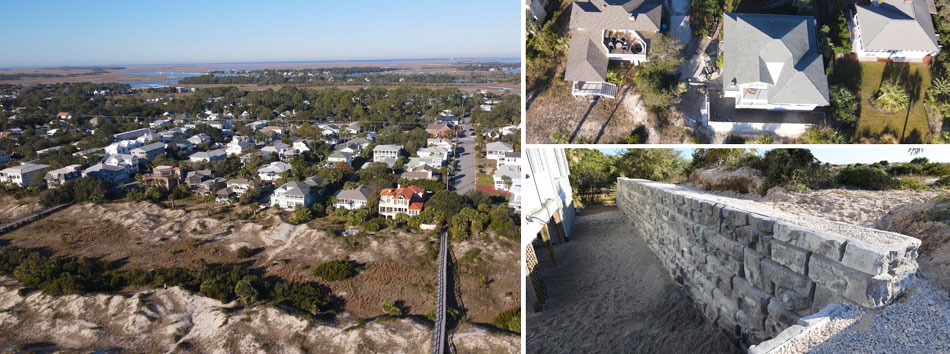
[{"x": 594, "y": 89}]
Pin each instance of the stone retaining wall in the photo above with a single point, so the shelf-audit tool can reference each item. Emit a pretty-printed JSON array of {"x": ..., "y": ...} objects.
[{"x": 754, "y": 270}]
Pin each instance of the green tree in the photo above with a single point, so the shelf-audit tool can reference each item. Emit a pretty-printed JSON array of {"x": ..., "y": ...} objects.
[
  {"x": 891, "y": 97},
  {"x": 246, "y": 292},
  {"x": 844, "y": 105}
]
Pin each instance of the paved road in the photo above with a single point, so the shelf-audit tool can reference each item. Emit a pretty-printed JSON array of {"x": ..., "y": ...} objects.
[
  {"x": 438, "y": 339},
  {"x": 464, "y": 179}
]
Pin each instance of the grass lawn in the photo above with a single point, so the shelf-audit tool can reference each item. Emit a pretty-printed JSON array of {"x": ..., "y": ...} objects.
[
  {"x": 907, "y": 126},
  {"x": 482, "y": 179}
]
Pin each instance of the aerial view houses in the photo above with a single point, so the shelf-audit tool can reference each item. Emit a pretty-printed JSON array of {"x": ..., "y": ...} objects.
[
  {"x": 750, "y": 71},
  {"x": 204, "y": 184}
]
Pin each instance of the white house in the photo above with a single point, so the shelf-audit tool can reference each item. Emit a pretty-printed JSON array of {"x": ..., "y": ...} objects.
[
  {"x": 199, "y": 139},
  {"x": 108, "y": 173},
  {"x": 511, "y": 172},
  {"x": 293, "y": 194},
  {"x": 122, "y": 147},
  {"x": 898, "y": 30},
  {"x": 511, "y": 159},
  {"x": 497, "y": 150},
  {"x": 437, "y": 151},
  {"x": 208, "y": 156},
  {"x": 272, "y": 171},
  {"x": 127, "y": 161},
  {"x": 385, "y": 153},
  {"x": 300, "y": 145},
  {"x": 23, "y": 175},
  {"x": 57, "y": 177},
  {"x": 132, "y": 134},
  {"x": 353, "y": 198},
  {"x": 149, "y": 152},
  {"x": 782, "y": 71},
  {"x": 340, "y": 156},
  {"x": 239, "y": 145}
]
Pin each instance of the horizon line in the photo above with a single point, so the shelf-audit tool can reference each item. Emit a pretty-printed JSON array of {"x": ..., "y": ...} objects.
[{"x": 268, "y": 62}]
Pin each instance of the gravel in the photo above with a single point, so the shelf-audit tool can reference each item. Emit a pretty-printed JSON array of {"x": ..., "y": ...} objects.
[{"x": 918, "y": 322}]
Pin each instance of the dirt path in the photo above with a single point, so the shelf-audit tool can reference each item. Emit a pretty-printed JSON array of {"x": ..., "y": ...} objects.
[{"x": 610, "y": 294}]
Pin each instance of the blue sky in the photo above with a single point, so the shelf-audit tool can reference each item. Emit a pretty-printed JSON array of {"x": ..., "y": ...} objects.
[
  {"x": 856, "y": 154},
  {"x": 61, "y": 32}
]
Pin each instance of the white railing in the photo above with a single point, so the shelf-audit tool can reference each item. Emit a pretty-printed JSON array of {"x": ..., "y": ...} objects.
[{"x": 591, "y": 89}]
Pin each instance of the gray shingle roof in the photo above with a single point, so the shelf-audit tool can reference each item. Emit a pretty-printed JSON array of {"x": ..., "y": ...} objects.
[
  {"x": 778, "y": 50},
  {"x": 587, "y": 57},
  {"x": 638, "y": 15},
  {"x": 896, "y": 25}
]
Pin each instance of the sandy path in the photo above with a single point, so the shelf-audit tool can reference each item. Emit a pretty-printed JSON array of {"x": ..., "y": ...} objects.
[{"x": 610, "y": 294}]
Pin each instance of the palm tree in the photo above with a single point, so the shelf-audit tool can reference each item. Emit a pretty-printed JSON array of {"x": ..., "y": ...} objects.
[{"x": 891, "y": 97}]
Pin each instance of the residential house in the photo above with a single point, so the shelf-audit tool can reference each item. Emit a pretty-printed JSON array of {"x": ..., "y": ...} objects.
[
  {"x": 110, "y": 174},
  {"x": 445, "y": 143},
  {"x": 24, "y": 175},
  {"x": 772, "y": 62},
  {"x": 241, "y": 185},
  {"x": 200, "y": 139},
  {"x": 148, "y": 152},
  {"x": 510, "y": 173},
  {"x": 440, "y": 130},
  {"x": 64, "y": 115},
  {"x": 496, "y": 150},
  {"x": 340, "y": 156},
  {"x": 239, "y": 145},
  {"x": 448, "y": 118},
  {"x": 195, "y": 178},
  {"x": 127, "y": 161},
  {"x": 439, "y": 151},
  {"x": 276, "y": 130},
  {"x": 57, "y": 177},
  {"x": 272, "y": 171},
  {"x": 898, "y": 30},
  {"x": 293, "y": 194},
  {"x": 172, "y": 134},
  {"x": 353, "y": 198},
  {"x": 302, "y": 145},
  {"x": 166, "y": 177},
  {"x": 403, "y": 200},
  {"x": 222, "y": 124},
  {"x": 423, "y": 172},
  {"x": 133, "y": 134},
  {"x": 274, "y": 149},
  {"x": 4, "y": 158},
  {"x": 434, "y": 161},
  {"x": 122, "y": 147},
  {"x": 161, "y": 123},
  {"x": 604, "y": 30},
  {"x": 347, "y": 147},
  {"x": 183, "y": 145},
  {"x": 256, "y": 125},
  {"x": 208, "y": 156},
  {"x": 386, "y": 153},
  {"x": 512, "y": 158},
  {"x": 508, "y": 129}
]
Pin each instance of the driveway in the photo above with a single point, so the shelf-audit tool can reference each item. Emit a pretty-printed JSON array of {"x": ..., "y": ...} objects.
[{"x": 463, "y": 180}]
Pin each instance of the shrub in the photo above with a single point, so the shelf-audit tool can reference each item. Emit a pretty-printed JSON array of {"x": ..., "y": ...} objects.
[
  {"x": 336, "y": 270},
  {"x": 392, "y": 309},
  {"x": 244, "y": 252},
  {"x": 509, "y": 320},
  {"x": 891, "y": 97},
  {"x": 943, "y": 182},
  {"x": 912, "y": 185},
  {"x": 309, "y": 297},
  {"x": 866, "y": 178}
]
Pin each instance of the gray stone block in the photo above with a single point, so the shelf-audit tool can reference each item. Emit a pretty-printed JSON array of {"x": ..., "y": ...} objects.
[
  {"x": 828, "y": 246},
  {"x": 780, "y": 276},
  {"x": 762, "y": 223},
  {"x": 875, "y": 259},
  {"x": 764, "y": 246},
  {"x": 726, "y": 310},
  {"x": 723, "y": 243},
  {"x": 746, "y": 235},
  {"x": 752, "y": 268},
  {"x": 790, "y": 257},
  {"x": 781, "y": 318},
  {"x": 751, "y": 300},
  {"x": 791, "y": 300},
  {"x": 853, "y": 285}
]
